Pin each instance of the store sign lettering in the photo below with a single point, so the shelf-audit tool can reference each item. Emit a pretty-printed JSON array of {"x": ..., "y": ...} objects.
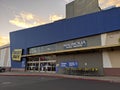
[
  {"x": 64, "y": 64},
  {"x": 82, "y": 43},
  {"x": 16, "y": 54},
  {"x": 69, "y": 64},
  {"x": 73, "y": 64}
]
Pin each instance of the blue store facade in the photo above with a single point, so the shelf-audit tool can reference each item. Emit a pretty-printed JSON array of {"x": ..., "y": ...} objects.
[{"x": 71, "y": 46}]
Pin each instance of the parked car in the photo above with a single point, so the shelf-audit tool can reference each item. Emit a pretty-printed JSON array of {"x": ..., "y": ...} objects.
[{"x": 2, "y": 69}]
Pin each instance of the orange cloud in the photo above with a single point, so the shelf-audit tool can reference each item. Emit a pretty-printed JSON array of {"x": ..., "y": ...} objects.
[
  {"x": 55, "y": 17},
  {"x": 107, "y": 3},
  {"x": 26, "y": 20},
  {"x": 4, "y": 40}
]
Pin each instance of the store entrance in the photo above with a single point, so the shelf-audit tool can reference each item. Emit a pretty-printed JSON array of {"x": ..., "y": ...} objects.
[
  {"x": 41, "y": 64},
  {"x": 48, "y": 66}
]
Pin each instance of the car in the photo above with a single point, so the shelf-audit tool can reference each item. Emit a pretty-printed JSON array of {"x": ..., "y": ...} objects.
[{"x": 2, "y": 69}]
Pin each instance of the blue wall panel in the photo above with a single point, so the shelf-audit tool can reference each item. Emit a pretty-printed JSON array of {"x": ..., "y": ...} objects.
[{"x": 87, "y": 25}]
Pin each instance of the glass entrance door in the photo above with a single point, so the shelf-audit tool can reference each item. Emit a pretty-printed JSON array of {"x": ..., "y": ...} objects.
[
  {"x": 41, "y": 64},
  {"x": 48, "y": 66},
  {"x": 33, "y": 64}
]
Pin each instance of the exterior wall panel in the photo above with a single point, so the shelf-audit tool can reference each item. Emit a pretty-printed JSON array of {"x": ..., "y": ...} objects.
[
  {"x": 106, "y": 60},
  {"x": 70, "y": 10},
  {"x": 85, "y": 60},
  {"x": 83, "y": 7},
  {"x": 114, "y": 58},
  {"x": 71, "y": 44},
  {"x": 112, "y": 71},
  {"x": 113, "y": 38},
  {"x": 111, "y": 56}
]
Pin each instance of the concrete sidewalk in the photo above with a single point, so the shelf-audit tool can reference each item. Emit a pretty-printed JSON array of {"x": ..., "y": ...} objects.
[{"x": 111, "y": 79}]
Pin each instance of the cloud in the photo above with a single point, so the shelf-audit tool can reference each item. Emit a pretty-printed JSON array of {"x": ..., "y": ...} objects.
[
  {"x": 4, "y": 40},
  {"x": 67, "y": 1},
  {"x": 55, "y": 17},
  {"x": 107, "y": 3},
  {"x": 26, "y": 20}
]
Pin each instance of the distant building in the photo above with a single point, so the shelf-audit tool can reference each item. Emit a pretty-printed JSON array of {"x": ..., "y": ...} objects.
[
  {"x": 81, "y": 7},
  {"x": 5, "y": 60}
]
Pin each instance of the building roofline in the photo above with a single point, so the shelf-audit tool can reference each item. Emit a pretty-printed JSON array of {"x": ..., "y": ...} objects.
[{"x": 4, "y": 46}]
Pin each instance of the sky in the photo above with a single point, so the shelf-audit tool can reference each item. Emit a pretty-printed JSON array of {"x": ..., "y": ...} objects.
[{"x": 21, "y": 14}]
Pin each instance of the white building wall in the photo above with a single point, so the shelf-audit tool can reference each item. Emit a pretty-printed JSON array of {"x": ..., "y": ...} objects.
[
  {"x": 106, "y": 60},
  {"x": 103, "y": 39},
  {"x": 110, "y": 58},
  {"x": 5, "y": 56}
]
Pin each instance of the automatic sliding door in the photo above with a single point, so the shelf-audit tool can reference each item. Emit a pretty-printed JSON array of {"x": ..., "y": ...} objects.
[{"x": 41, "y": 64}]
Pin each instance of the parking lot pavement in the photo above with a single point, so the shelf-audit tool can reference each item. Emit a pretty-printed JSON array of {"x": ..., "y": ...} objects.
[
  {"x": 113, "y": 79},
  {"x": 52, "y": 83}
]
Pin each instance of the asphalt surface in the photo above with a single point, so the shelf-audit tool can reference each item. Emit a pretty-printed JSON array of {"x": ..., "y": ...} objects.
[
  {"x": 113, "y": 79},
  {"x": 48, "y": 83}
]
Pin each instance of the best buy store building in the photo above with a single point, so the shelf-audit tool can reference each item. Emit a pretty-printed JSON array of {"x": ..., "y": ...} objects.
[{"x": 84, "y": 45}]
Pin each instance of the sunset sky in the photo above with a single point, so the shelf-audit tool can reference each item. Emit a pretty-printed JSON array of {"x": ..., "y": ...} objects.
[{"x": 20, "y": 14}]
